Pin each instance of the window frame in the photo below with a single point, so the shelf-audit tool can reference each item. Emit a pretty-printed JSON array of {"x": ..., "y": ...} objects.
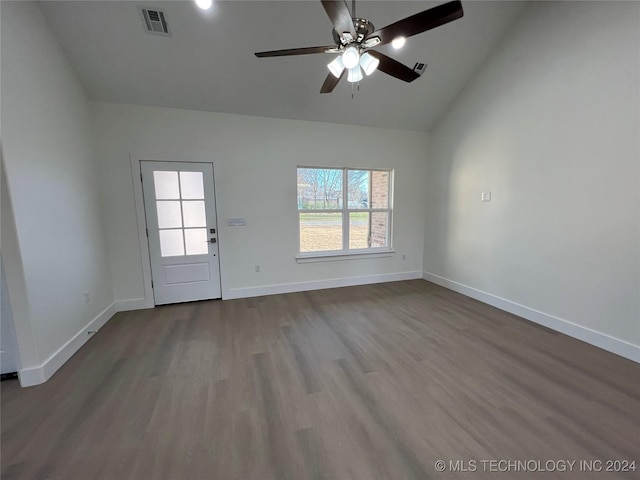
[{"x": 346, "y": 252}]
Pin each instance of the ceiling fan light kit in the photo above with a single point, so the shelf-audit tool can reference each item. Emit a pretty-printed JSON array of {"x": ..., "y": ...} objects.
[
  {"x": 368, "y": 63},
  {"x": 354, "y": 75},
  {"x": 336, "y": 66},
  {"x": 355, "y": 37},
  {"x": 351, "y": 56}
]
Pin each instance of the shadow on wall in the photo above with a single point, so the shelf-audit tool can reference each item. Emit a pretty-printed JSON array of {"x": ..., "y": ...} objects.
[{"x": 8, "y": 343}]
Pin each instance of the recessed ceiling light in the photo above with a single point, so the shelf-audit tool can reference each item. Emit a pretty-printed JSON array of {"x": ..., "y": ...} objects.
[
  {"x": 398, "y": 42},
  {"x": 204, "y": 4}
]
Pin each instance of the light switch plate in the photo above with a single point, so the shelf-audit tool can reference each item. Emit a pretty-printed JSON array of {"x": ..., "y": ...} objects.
[{"x": 486, "y": 196}]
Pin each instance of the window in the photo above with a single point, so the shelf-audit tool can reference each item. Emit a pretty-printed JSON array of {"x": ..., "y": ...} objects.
[
  {"x": 329, "y": 224},
  {"x": 182, "y": 219}
]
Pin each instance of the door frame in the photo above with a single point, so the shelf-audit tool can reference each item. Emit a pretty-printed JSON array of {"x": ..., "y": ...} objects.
[{"x": 136, "y": 178}]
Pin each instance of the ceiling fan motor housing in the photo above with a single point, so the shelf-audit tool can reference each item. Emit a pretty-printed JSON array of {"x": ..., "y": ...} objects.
[{"x": 363, "y": 28}]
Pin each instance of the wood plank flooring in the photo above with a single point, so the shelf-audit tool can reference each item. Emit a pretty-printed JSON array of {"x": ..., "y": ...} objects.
[{"x": 370, "y": 382}]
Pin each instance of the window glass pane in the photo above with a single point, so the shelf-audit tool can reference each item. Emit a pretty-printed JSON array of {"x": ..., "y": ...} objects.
[
  {"x": 166, "y": 184},
  {"x": 358, "y": 230},
  {"x": 358, "y": 188},
  {"x": 320, "y": 232},
  {"x": 194, "y": 214},
  {"x": 192, "y": 185},
  {"x": 379, "y": 229},
  {"x": 319, "y": 188},
  {"x": 169, "y": 214},
  {"x": 379, "y": 189},
  {"x": 195, "y": 240},
  {"x": 171, "y": 243}
]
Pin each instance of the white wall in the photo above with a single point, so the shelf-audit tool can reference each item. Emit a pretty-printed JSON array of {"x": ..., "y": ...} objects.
[
  {"x": 550, "y": 126},
  {"x": 59, "y": 253},
  {"x": 8, "y": 342},
  {"x": 255, "y": 163}
]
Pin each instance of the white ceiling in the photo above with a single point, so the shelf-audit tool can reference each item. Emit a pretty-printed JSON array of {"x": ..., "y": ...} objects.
[{"x": 208, "y": 62}]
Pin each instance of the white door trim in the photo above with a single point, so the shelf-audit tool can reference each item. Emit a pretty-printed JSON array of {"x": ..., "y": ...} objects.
[{"x": 136, "y": 172}]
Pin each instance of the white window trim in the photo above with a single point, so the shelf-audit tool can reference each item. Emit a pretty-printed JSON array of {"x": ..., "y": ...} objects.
[
  {"x": 333, "y": 256},
  {"x": 347, "y": 254}
]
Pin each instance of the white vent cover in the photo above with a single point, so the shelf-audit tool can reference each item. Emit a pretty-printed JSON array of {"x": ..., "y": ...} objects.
[
  {"x": 154, "y": 21},
  {"x": 419, "y": 68}
]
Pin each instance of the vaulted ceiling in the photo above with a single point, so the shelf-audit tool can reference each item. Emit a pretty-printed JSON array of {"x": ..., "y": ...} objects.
[{"x": 208, "y": 63}]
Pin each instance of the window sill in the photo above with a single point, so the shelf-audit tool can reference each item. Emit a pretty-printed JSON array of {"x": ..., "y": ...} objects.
[{"x": 336, "y": 257}]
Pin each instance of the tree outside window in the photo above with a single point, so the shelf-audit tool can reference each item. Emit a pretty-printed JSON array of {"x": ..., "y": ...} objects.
[{"x": 328, "y": 223}]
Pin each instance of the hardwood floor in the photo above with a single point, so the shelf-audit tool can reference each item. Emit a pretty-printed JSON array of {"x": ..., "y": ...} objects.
[{"x": 371, "y": 382}]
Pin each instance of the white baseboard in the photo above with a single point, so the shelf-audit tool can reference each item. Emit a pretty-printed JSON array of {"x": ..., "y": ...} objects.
[
  {"x": 35, "y": 375},
  {"x": 317, "y": 285},
  {"x": 598, "y": 339},
  {"x": 132, "y": 304}
]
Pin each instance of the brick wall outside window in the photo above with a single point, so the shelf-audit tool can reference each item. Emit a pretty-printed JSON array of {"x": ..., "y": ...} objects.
[{"x": 379, "y": 199}]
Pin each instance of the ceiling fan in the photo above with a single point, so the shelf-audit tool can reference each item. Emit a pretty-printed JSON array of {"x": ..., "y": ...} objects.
[{"x": 355, "y": 37}]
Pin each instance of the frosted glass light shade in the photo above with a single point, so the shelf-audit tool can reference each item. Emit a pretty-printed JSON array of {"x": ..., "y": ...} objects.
[
  {"x": 369, "y": 63},
  {"x": 354, "y": 74},
  {"x": 336, "y": 67},
  {"x": 351, "y": 57}
]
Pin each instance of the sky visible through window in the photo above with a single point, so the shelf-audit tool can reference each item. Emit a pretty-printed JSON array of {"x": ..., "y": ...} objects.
[{"x": 322, "y": 211}]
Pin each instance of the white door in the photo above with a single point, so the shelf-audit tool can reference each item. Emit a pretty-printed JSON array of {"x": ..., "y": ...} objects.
[{"x": 179, "y": 203}]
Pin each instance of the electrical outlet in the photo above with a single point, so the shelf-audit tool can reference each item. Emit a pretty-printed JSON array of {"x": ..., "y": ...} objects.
[
  {"x": 87, "y": 297},
  {"x": 257, "y": 268},
  {"x": 404, "y": 256}
]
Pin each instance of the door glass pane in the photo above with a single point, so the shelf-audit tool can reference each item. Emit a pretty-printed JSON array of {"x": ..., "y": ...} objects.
[
  {"x": 358, "y": 188},
  {"x": 319, "y": 188},
  {"x": 379, "y": 189},
  {"x": 169, "y": 214},
  {"x": 192, "y": 185},
  {"x": 320, "y": 232},
  {"x": 171, "y": 244},
  {"x": 194, "y": 214},
  {"x": 358, "y": 230},
  {"x": 166, "y": 184},
  {"x": 379, "y": 229},
  {"x": 195, "y": 240}
]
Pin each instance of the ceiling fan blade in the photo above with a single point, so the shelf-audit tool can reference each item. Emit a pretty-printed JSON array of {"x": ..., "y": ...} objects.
[
  {"x": 330, "y": 82},
  {"x": 420, "y": 22},
  {"x": 295, "y": 51},
  {"x": 394, "y": 68},
  {"x": 340, "y": 16}
]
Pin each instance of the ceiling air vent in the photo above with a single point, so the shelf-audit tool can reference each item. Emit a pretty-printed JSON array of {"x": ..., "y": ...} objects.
[
  {"x": 419, "y": 68},
  {"x": 155, "y": 22}
]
